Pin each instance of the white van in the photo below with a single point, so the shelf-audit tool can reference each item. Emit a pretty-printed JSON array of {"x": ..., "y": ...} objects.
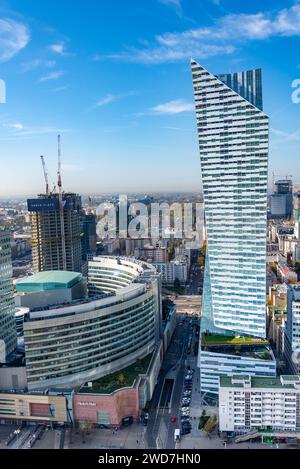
[{"x": 176, "y": 435}]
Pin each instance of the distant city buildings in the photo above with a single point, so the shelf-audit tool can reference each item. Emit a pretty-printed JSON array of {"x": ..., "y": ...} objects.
[
  {"x": 8, "y": 332},
  {"x": 233, "y": 144},
  {"x": 55, "y": 247},
  {"x": 175, "y": 269},
  {"x": 281, "y": 201}
]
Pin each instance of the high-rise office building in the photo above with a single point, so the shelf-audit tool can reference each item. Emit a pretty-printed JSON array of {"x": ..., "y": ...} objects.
[
  {"x": 54, "y": 248},
  {"x": 281, "y": 201},
  {"x": 88, "y": 235},
  {"x": 8, "y": 331},
  {"x": 233, "y": 144}
]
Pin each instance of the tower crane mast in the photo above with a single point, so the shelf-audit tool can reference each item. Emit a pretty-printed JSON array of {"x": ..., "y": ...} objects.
[
  {"x": 61, "y": 206},
  {"x": 45, "y": 174}
]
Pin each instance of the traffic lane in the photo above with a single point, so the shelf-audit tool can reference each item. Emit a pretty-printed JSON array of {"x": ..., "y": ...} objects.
[
  {"x": 176, "y": 400},
  {"x": 154, "y": 414}
]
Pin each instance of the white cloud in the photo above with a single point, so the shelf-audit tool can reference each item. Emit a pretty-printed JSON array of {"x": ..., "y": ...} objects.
[
  {"x": 173, "y": 3},
  {"x": 109, "y": 98},
  {"x": 286, "y": 136},
  {"x": 58, "y": 48},
  {"x": 52, "y": 76},
  {"x": 218, "y": 39},
  {"x": 14, "y": 36},
  {"x": 16, "y": 126},
  {"x": 33, "y": 64},
  {"x": 173, "y": 107},
  {"x": 37, "y": 130},
  {"x": 12, "y": 125},
  {"x": 60, "y": 88}
]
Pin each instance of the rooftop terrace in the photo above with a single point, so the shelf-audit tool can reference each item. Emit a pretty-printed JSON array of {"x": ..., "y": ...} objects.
[
  {"x": 285, "y": 382},
  {"x": 215, "y": 339},
  {"x": 120, "y": 379}
]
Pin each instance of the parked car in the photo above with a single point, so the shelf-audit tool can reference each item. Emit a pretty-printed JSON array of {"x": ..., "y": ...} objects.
[{"x": 126, "y": 421}]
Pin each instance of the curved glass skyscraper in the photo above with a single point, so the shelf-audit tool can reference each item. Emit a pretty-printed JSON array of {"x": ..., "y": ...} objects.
[{"x": 233, "y": 144}]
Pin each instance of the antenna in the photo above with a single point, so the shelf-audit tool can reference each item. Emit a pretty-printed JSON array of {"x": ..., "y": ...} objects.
[
  {"x": 45, "y": 174},
  {"x": 61, "y": 206}
]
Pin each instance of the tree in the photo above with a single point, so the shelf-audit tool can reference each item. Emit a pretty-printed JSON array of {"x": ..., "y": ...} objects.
[
  {"x": 210, "y": 424},
  {"x": 297, "y": 269},
  {"x": 121, "y": 378},
  {"x": 177, "y": 286},
  {"x": 204, "y": 246}
]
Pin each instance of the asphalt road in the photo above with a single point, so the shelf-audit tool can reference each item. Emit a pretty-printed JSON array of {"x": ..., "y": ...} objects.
[
  {"x": 160, "y": 429},
  {"x": 195, "y": 281}
]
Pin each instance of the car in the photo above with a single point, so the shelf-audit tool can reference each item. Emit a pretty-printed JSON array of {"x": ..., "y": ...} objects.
[
  {"x": 185, "y": 431},
  {"x": 126, "y": 421},
  {"x": 173, "y": 418},
  {"x": 186, "y": 424}
]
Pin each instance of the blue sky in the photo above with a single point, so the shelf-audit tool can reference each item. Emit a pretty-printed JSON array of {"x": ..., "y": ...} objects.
[{"x": 114, "y": 78}]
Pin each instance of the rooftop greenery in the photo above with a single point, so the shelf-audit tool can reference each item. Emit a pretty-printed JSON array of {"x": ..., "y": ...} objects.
[
  {"x": 215, "y": 339},
  {"x": 120, "y": 379}
]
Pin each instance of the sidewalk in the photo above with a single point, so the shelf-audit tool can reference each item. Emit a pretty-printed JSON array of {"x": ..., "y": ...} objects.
[{"x": 129, "y": 437}]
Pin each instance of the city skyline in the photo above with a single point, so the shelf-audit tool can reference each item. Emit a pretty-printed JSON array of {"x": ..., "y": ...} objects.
[{"x": 119, "y": 87}]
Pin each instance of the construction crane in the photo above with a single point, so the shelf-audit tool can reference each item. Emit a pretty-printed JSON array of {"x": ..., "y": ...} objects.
[
  {"x": 45, "y": 174},
  {"x": 61, "y": 206}
]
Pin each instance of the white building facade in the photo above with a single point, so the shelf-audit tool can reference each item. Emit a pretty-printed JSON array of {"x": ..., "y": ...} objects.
[
  {"x": 233, "y": 145},
  {"x": 292, "y": 329},
  {"x": 175, "y": 269},
  {"x": 246, "y": 403}
]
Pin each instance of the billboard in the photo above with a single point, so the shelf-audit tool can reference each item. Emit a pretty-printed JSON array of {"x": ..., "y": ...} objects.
[{"x": 42, "y": 205}]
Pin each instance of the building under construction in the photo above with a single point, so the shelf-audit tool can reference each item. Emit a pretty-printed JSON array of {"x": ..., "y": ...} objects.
[{"x": 56, "y": 247}]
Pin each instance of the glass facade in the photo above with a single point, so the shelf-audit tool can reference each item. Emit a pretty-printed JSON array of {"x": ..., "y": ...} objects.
[
  {"x": 75, "y": 342},
  {"x": 233, "y": 144},
  {"x": 8, "y": 331}
]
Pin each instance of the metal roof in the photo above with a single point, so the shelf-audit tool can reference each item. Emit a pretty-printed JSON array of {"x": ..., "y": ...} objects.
[{"x": 48, "y": 280}]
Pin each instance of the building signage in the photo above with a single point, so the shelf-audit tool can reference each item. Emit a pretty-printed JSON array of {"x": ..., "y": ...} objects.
[
  {"x": 42, "y": 205},
  {"x": 87, "y": 403}
]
